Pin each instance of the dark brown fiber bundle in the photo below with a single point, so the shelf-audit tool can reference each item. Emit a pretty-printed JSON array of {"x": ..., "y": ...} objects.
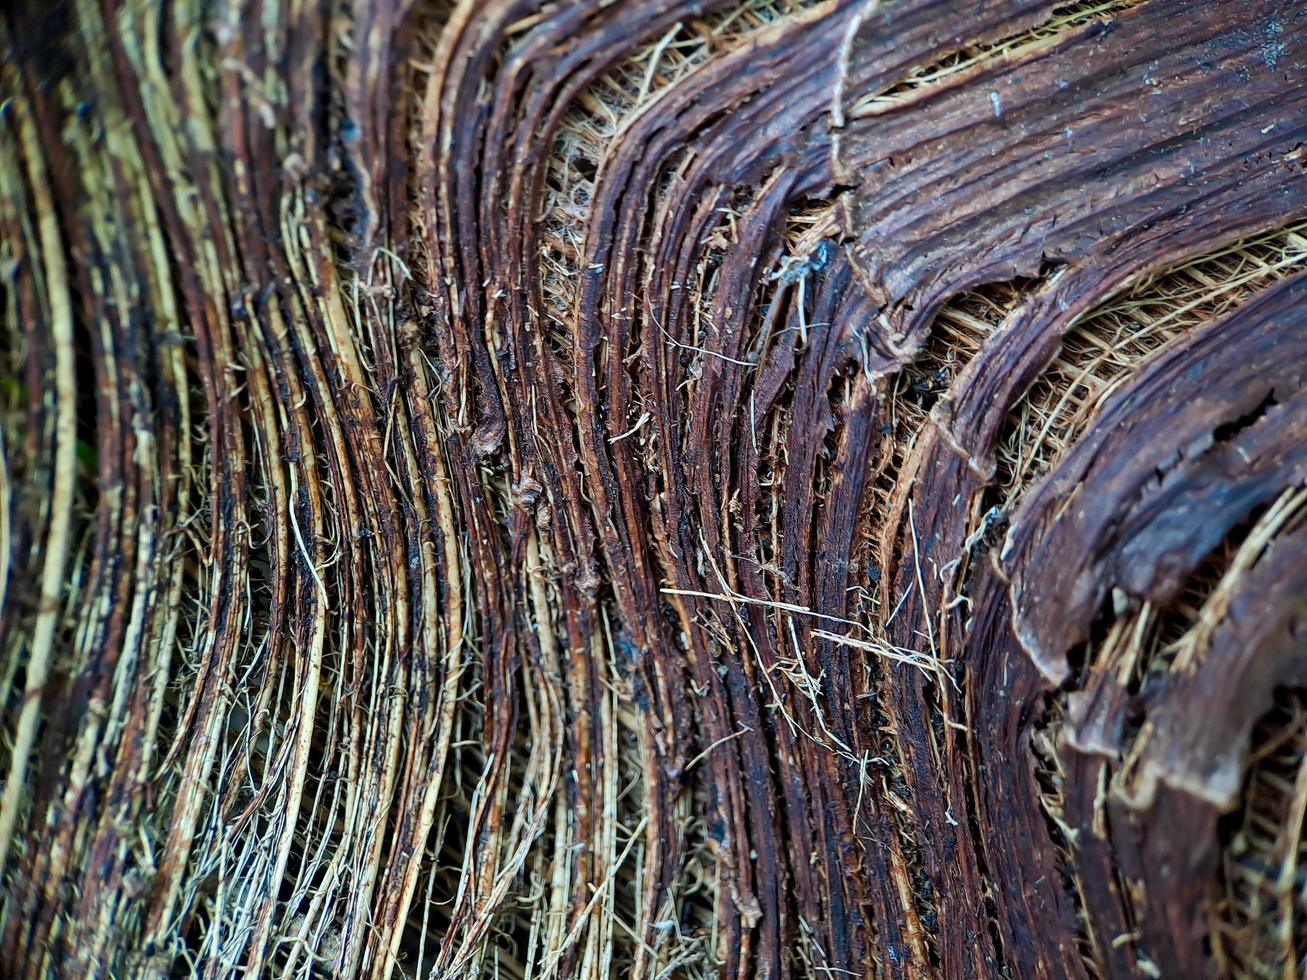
[{"x": 651, "y": 488}]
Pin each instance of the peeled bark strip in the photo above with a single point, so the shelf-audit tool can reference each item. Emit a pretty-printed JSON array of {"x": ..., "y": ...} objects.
[{"x": 654, "y": 489}]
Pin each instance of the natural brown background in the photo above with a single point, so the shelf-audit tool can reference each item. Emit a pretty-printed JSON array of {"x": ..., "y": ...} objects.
[{"x": 653, "y": 489}]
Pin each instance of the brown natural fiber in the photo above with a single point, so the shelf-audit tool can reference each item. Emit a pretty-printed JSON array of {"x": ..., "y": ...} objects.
[{"x": 677, "y": 488}]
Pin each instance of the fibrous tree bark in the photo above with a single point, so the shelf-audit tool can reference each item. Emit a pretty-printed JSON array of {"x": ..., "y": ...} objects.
[{"x": 653, "y": 488}]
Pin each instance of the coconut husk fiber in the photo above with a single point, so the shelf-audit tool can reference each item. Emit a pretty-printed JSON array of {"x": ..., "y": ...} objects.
[{"x": 655, "y": 489}]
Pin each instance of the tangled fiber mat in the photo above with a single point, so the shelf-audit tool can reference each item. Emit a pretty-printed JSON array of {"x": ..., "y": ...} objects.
[{"x": 647, "y": 488}]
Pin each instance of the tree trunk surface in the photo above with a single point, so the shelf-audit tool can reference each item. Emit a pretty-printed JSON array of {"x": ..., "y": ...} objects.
[{"x": 655, "y": 488}]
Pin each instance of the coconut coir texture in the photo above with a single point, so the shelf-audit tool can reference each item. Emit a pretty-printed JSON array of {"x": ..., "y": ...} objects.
[{"x": 653, "y": 489}]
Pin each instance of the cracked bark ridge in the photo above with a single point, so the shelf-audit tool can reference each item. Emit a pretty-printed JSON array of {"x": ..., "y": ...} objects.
[{"x": 753, "y": 489}]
